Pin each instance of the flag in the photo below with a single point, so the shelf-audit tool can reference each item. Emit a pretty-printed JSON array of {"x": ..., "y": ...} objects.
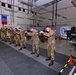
[{"x": 4, "y": 19}]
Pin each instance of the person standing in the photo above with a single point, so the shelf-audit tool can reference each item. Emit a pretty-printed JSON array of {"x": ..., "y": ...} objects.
[
  {"x": 17, "y": 37},
  {"x": 11, "y": 32},
  {"x": 22, "y": 39},
  {"x": 4, "y": 34},
  {"x": 50, "y": 34},
  {"x": 35, "y": 41}
]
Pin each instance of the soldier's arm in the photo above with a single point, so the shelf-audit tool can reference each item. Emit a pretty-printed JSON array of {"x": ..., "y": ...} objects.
[
  {"x": 46, "y": 34},
  {"x": 30, "y": 34}
]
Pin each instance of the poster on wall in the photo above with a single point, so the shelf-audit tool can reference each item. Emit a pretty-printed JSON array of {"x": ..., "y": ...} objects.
[
  {"x": 62, "y": 31},
  {"x": 4, "y": 19}
]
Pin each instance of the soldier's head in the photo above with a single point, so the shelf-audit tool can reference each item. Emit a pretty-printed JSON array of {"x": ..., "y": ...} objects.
[
  {"x": 10, "y": 28},
  {"x": 19, "y": 29},
  {"x": 48, "y": 29},
  {"x": 32, "y": 29}
]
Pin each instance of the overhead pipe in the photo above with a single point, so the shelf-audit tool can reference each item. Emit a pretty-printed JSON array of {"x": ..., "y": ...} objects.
[{"x": 58, "y": 9}]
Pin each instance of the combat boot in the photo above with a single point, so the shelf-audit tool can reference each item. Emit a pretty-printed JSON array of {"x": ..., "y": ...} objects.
[
  {"x": 37, "y": 55},
  {"x": 15, "y": 45},
  {"x": 10, "y": 43},
  {"x": 24, "y": 47},
  {"x": 33, "y": 53},
  {"x": 51, "y": 63},
  {"x": 47, "y": 59},
  {"x": 20, "y": 49}
]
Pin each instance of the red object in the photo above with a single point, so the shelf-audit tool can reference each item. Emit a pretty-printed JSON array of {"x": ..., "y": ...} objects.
[
  {"x": 59, "y": 38},
  {"x": 4, "y": 22},
  {"x": 70, "y": 61}
]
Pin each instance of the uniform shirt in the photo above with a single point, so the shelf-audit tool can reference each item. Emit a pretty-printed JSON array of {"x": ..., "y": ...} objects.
[
  {"x": 17, "y": 34},
  {"x": 34, "y": 36},
  {"x": 51, "y": 36},
  {"x": 11, "y": 31},
  {"x": 22, "y": 34}
]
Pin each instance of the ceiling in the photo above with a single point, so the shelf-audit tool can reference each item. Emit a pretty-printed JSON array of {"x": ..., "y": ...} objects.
[
  {"x": 66, "y": 12},
  {"x": 42, "y": 2}
]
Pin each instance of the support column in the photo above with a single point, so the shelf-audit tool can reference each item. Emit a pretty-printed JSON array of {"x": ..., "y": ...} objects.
[
  {"x": 56, "y": 13},
  {"x": 52, "y": 14}
]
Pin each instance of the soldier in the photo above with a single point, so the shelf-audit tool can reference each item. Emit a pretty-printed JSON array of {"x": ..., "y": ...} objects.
[
  {"x": 22, "y": 39},
  {"x": 3, "y": 34},
  {"x": 0, "y": 33},
  {"x": 35, "y": 41},
  {"x": 51, "y": 45},
  {"x": 17, "y": 37},
  {"x": 11, "y": 32}
]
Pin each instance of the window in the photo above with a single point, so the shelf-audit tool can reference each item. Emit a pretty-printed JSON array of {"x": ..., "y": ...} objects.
[
  {"x": 9, "y": 6},
  {"x": 23, "y": 10},
  {"x": 19, "y": 9},
  {"x": 3, "y": 4}
]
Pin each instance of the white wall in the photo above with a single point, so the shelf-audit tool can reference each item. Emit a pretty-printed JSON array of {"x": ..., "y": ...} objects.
[{"x": 14, "y": 18}]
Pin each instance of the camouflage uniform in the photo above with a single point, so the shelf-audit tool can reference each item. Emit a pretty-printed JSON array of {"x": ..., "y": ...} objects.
[
  {"x": 22, "y": 39},
  {"x": 4, "y": 34},
  {"x": 11, "y": 32},
  {"x": 17, "y": 38},
  {"x": 35, "y": 42},
  {"x": 0, "y": 33},
  {"x": 50, "y": 46}
]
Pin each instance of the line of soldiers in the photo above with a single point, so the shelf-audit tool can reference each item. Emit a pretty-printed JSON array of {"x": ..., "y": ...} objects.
[{"x": 19, "y": 36}]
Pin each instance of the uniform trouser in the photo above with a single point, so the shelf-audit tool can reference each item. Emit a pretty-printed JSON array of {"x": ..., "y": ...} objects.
[
  {"x": 17, "y": 41},
  {"x": 4, "y": 37},
  {"x": 1, "y": 35},
  {"x": 35, "y": 48},
  {"x": 23, "y": 43},
  {"x": 51, "y": 50},
  {"x": 11, "y": 39}
]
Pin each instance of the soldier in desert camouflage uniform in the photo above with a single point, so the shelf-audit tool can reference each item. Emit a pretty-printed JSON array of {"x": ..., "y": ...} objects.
[
  {"x": 11, "y": 32},
  {"x": 22, "y": 39},
  {"x": 35, "y": 41},
  {"x": 51, "y": 45}
]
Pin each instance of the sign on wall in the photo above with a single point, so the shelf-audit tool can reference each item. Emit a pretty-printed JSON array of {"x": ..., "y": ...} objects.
[
  {"x": 62, "y": 31},
  {"x": 4, "y": 19}
]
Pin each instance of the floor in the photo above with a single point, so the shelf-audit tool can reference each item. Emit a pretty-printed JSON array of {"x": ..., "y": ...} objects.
[
  {"x": 14, "y": 62},
  {"x": 62, "y": 47}
]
